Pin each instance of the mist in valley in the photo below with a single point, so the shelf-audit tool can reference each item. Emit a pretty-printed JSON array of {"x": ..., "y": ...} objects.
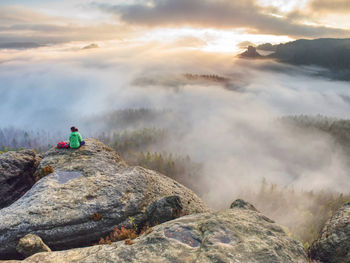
[{"x": 226, "y": 118}]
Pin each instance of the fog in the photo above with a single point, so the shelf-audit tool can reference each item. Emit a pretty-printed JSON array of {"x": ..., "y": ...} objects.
[{"x": 230, "y": 127}]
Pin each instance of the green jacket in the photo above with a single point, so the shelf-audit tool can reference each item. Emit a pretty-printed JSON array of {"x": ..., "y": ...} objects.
[{"x": 75, "y": 140}]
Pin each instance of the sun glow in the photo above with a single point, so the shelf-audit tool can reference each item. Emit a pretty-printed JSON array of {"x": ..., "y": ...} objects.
[
  {"x": 210, "y": 40},
  {"x": 284, "y": 6}
]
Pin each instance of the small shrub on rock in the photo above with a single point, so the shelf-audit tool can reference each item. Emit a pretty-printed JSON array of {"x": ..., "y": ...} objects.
[
  {"x": 96, "y": 217},
  {"x": 179, "y": 213},
  {"x": 124, "y": 233},
  {"x": 128, "y": 242},
  {"x": 44, "y": 171}
]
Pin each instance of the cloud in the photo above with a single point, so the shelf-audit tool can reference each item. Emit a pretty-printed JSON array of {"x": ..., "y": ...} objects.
[
  {"x": 19, "y": 45},
  {"x": 20, "y": 26},
  {"x": 245, "y": 44},
  {"x": 339, "y": 6},
  {"x": 217, "y": 14},
  {"x": 189, "y": 41},
  {"x": 233, "y": 134},
  {"x": 10, "y": 15}
]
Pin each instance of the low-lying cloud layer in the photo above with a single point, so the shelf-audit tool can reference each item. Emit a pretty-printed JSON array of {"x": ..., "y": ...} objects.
[{"x": 232, "y": 132}]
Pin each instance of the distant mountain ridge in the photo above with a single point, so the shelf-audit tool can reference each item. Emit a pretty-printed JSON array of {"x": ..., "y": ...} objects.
[
  {"x": 326, "y": 52},
  {"x": 330, "y": 53}
]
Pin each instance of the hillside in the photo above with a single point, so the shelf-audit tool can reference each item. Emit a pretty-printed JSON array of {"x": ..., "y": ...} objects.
[{"x": 333, "y": 54}]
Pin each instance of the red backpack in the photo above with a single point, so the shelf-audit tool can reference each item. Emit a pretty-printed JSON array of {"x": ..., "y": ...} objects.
[{"x": 62, "y": 145}]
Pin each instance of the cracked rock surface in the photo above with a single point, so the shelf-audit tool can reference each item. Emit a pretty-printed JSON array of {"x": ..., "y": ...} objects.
[
  {"x": 237, "y": 235},
  {"x": 16, "y": 174},
  {"x": 90, "y": 191}
]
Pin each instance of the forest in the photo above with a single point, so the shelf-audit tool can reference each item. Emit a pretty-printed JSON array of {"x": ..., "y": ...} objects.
[
  {"x": 142, "y": 146},
  {"x": 333, "y": 54},
  {"x": 307, "y": 210}
]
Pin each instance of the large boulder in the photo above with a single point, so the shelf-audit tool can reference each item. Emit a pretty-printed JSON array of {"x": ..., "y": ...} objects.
[
  {"x": 239, "y": 203},
  {"x": 16, "y": 175},
  {"x": 163, "y": 210},
  {"x": 30, "y": 245},
  {"x": 235, "y": 235},
  {"x": 333, "y": 244},
  {"x": 90, "y": 191}
]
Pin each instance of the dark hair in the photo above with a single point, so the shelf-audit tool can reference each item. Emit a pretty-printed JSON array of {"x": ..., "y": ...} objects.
[{"x": 73, "y": 129}]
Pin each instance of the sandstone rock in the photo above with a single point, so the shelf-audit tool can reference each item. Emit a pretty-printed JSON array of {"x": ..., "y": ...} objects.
[
  {"x": 163, "y": 210},
  {"x": 239, "y": 203},
  {"x": 250, "y": 53},
  {"x": 90, "y": 191},
  {"x": 333, "y": 245},
  {"x": 236, "y": 235},
  {"x": 30, "y": 245},
  {"x": 16, "y": 175},
  {"x": 160, "y": 211}
]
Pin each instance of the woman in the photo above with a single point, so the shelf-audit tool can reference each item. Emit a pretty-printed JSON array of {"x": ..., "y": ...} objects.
[{"x": 75, "y": 139}]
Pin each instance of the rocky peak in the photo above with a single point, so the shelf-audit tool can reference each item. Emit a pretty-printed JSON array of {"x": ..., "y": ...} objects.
[
  {"x": 83, "y": 194},
  {"x": 93, "y": 157},
  {"x": 250, "y": 53}
]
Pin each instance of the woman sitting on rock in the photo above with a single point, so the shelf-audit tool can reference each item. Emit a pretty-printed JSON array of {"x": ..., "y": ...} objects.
[{"x": 75, "y": 139}]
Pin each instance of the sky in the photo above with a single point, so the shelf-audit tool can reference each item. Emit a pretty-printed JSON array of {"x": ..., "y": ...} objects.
[{"x": 211, "y": 25}]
